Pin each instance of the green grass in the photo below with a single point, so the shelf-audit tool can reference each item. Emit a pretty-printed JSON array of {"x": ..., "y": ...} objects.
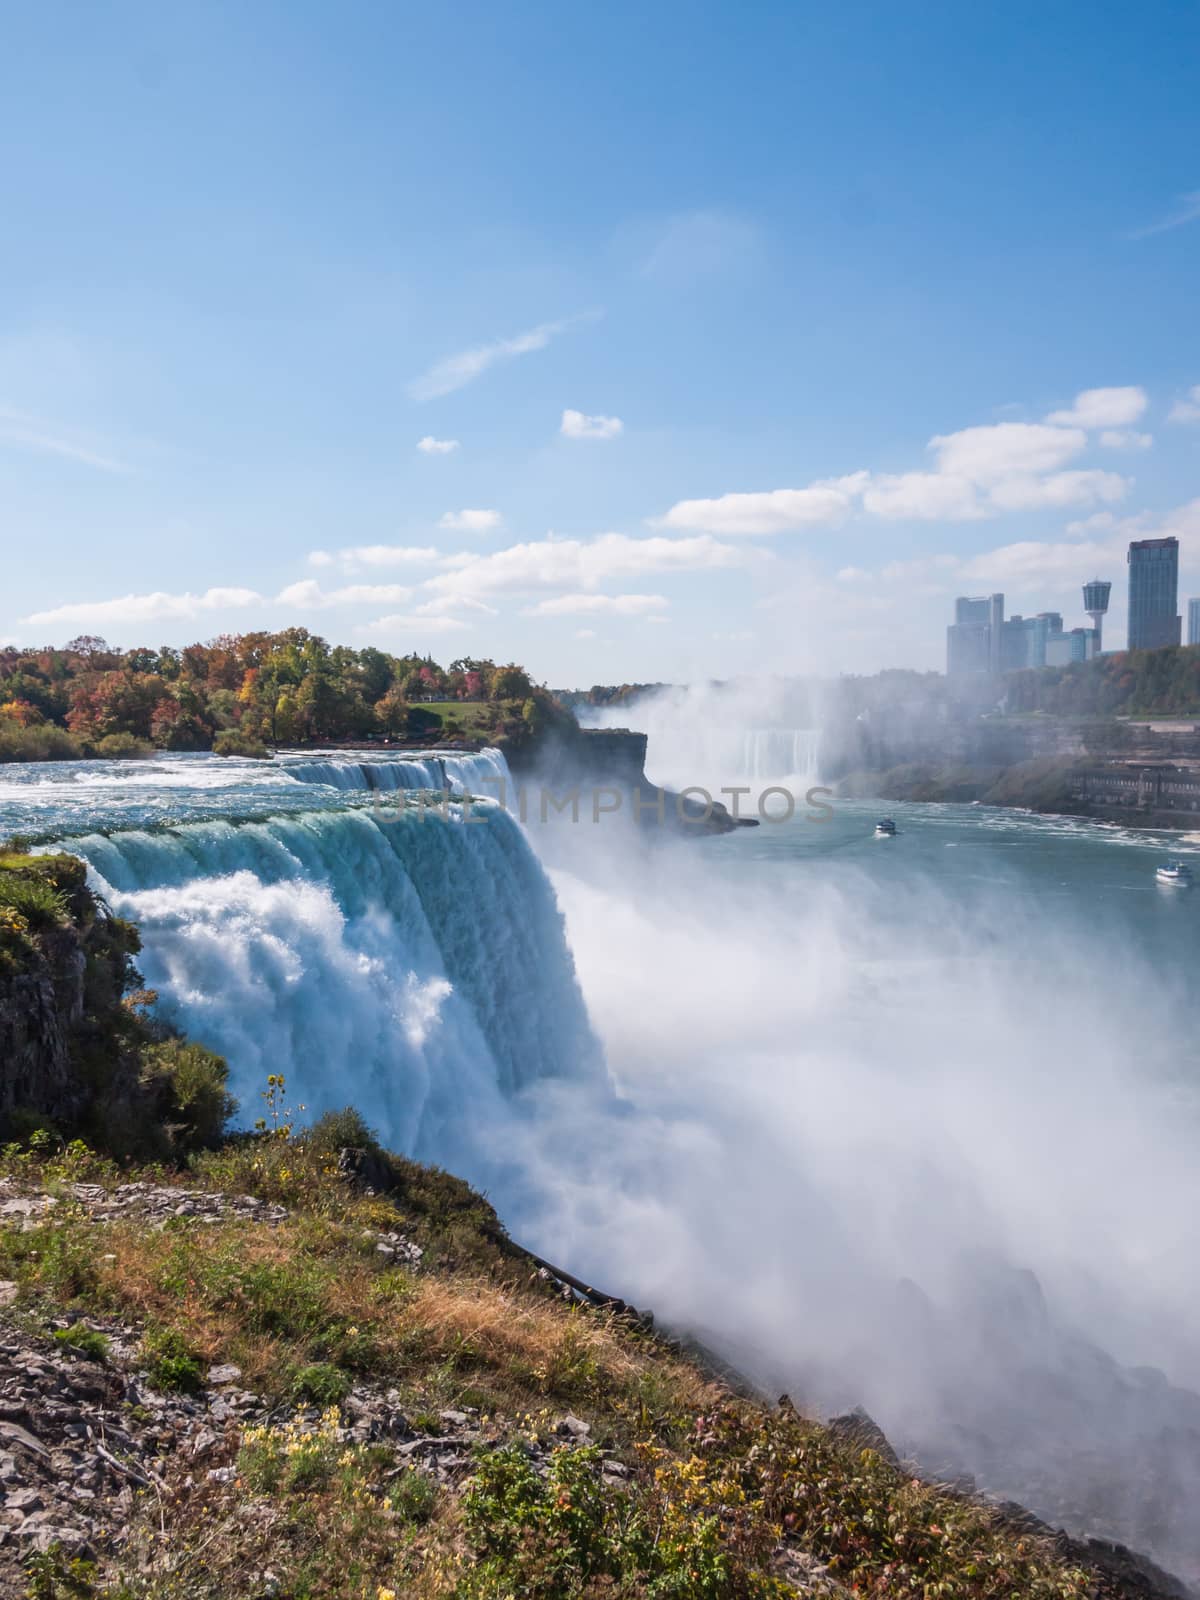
[{"x": 474, "y": 719}]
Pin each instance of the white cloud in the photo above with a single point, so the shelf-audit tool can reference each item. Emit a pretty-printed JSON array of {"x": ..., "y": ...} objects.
[
  {"x": 1058, "y": 490},
  {"x": 979, "y": 472},
  {"x": 21, "y": 432},
  {"x": 1186, "y": 210},
  {"x": 923, "y": 497},
  {"x": 430, "y": 446},
  {"x": 1098, "y": 522},
  {"x": 577, "y": 425},
  {"x": 1041, "y": 561},
  {"x": 470, "y": 521},
  {"x": 585, "y": 633},
  {"x": 307, "y": 595},
  {"x": 987, "y": 454},
  {"x": 399, "y": 625},
  {"x": 1187, "y": 409},
  {"x": 572, "y": 565},
  {"x": 769, "y": 512},
  {"x": 378, "y": 555},
  {"x": 446, "y": 604},
  {"x": 1125, "y": 439},
  {"x": 1103, "y": 408},
  {"x": 456, "y": 371},
  {"x": 620, "y": 605},
  {"x": 155, "y": 607}
]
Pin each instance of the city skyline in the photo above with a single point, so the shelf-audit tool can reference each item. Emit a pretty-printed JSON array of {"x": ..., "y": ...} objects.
[{"x": 982, "y": 639}]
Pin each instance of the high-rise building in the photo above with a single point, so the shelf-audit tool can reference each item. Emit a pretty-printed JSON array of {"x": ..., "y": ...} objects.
[
  {"x": 1023, "y": 640},
  {"x": 1194, "y": 621},
  {"x": 973, "y": 639},
  {"x": 1095, "y": 603},
  {"x": 1080, "y": 644},
  {"x": 1153, "y": 593}
]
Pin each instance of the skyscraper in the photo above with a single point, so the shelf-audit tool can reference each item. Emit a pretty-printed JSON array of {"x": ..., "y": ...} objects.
[
  {"x": 973, "y": 638},
  {"x": 1153, "y": 593}
]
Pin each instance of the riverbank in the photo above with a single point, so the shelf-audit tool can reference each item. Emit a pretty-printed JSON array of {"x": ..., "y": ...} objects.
[{"x": 1139, "y": 795}]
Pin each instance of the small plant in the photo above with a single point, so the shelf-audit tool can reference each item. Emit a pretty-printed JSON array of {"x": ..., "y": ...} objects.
[
  {"x": 32, "y": 898},
  {"x": 294, "y": 1456},
  {"x": 170, "y": 1363},
  {"x": 413, "y": 1495},
  {"x": 280, "y": 1118},
  {"x": 322, "y": 1383},
  {"x": 83, "y": 1341}
]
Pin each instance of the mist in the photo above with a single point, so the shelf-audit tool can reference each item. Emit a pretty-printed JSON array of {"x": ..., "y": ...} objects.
[{"x": 934, "y": 1155}]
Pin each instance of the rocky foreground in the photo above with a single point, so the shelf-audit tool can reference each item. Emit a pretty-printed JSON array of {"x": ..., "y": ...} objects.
[{"x": 268, "y": 1378}]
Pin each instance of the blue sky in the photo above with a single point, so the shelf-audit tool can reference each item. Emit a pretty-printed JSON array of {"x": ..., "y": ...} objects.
[{"x": 690, "y": 289}]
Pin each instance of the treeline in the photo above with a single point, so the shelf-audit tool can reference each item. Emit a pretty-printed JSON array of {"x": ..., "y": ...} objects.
[
  {"x": 241, "y": 693},
  {"x": 607, "y": 694},
  {"x": 1128, "y": 683}
]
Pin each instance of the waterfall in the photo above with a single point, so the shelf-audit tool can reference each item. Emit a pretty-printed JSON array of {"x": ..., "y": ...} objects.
[
  {"x": 476, "y": 772},
  {"x": 709, "y": 745},
  {"x": 412, "y": 965}
]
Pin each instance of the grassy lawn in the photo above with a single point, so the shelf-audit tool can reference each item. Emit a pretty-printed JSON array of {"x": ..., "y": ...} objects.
[{"x": 474, "y": 717}]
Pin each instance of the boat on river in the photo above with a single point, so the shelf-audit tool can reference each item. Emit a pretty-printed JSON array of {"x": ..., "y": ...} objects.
[{"x": 1174, "y": 874}]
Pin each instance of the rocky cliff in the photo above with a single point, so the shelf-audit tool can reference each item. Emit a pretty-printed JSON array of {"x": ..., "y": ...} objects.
[{"x": 80, "y": 1053}]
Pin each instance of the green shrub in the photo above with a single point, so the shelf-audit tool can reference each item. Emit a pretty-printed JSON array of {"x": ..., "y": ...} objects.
[
  {"x": 32, "y": 897},
  {"x": 233, "y": 742},
  {"x": 187, "y": 1086},
  {"x": 83, "y": 1340},
  {"x": 122, "y": 747},
  {"x": 340, "y": 1130},
  {"x": 322, "y": 1383},
  {"x": 44, "y": 743},
  {"x": 171, "y": 1364}
]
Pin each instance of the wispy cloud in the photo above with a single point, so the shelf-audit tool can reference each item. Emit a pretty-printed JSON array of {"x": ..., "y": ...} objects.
[
  {"x": 578, "y": 425},
  {"x": 396, "y": 627},
  {"x": 468, "y": 521},
  {"x": 429, "y": 446},
  {"x": 577, "y": 565},
  {"x": 377, "y": 555},
  {"x": 1187, "y": 409},
  {"x": 156, "y": 607},
  {"x": 1103, "y": 408},
  {"x": 977, "y": 472},
  {"x": 1185, "y": 210},
  {"x": 769, "y": 511},
  {"x": 617, "y": 605},
  {"x": 701, "y": 243},
  {"x": 456, "y": 371},
  {"x": 21, "y": 432},
  {"x": 308, "y": 595}
]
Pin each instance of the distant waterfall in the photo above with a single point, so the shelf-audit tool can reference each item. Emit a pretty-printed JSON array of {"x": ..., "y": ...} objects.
[
  {"x": 413, "y": 966},
  {"x": 709, "y": 746}
]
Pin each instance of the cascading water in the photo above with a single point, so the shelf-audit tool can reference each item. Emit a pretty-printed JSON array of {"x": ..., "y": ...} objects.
[
  {"x": 481, "y": 772},
  {"x": 409, "y": 960},
  {"x": 695, "y": 747}
]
